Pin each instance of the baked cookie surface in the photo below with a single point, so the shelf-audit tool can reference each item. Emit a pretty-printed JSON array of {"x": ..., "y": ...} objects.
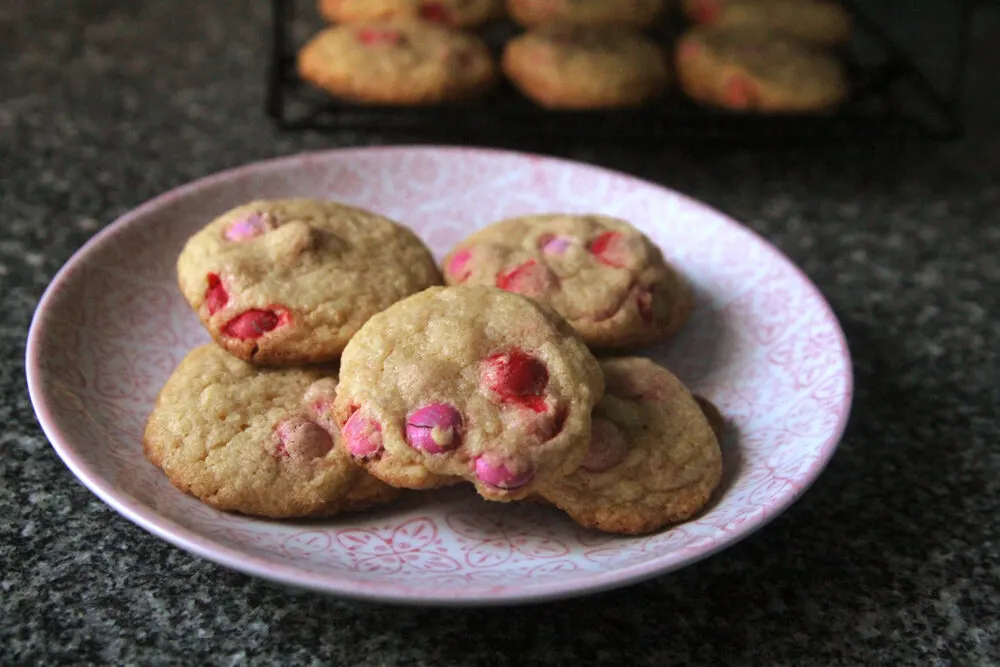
[
  {"x": 289, "y": 282},
  {"x": 820, "y": 22},
  {"x": 635, "y": 13},
  {"x": 564, "y": 66},
  {"x": 255, "y": 441},
  {"x": 397, "y": 61},
  {"x": 653, "y": 460},
  {"x": 601, "y": 274},
  {"x": 745, "y": 71},
  {"x": 467, "y": 383},
  {"x": 456, "y": 13}
]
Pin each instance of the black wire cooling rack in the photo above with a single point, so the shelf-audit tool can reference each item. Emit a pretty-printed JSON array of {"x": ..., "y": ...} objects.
[{"x": 891, "y": 95}]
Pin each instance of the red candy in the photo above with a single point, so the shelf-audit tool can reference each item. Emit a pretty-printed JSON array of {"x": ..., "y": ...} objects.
[
  {"x": 529, "y": 279},
  {"x": 216, "y": 296},
  {"x": 433, "y": 11},
  {"x": 255, "y": 323},
  {"x": 609, "y": 248},
  {"x": 740, "y": 93},
  {"x": 706, "y": 12},
  {"x": 373, "y": 36},
  {"x": 517, "y": 378}
]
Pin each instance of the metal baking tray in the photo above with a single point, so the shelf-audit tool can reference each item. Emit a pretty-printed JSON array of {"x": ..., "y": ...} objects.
[{"x": 890, "y": 94}]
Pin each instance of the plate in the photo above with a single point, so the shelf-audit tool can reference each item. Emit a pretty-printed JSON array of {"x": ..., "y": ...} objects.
[{"x": 762, "y": 344}]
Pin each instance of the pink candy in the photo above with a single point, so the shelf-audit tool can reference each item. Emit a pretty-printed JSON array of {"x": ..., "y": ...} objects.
[
  {"x": 608, "y": 446},
  {"x": 555, "y": 245},
  {"x": 503, "y": 473},
  {"x": 434, "y": 428},
  {"x": 362, "y": 436},
  {"x": 301, "y": 438},
  {"x": 247, "y": 228},
  {"x": 457, "y": 264}
]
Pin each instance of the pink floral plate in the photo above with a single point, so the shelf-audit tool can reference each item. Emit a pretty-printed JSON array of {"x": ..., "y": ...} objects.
[{"x": 762, "y": 343}]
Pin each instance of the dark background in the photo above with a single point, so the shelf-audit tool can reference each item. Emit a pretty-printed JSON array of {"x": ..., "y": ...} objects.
[{"x": 891, "y": 558}]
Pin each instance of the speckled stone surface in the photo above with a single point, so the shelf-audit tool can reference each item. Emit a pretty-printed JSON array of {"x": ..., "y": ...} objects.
[{"x": 893, "y": 557}]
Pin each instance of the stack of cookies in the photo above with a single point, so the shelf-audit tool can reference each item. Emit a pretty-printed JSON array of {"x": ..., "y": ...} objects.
[
  {"x": 742, "y": 55},
  {"x": 490, "y": 381}
]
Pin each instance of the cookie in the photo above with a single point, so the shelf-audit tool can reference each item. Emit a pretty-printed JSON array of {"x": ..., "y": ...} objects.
[
  {"x": 635, "y": 13},
  {"x": 712, "y": 415},
  {"x": 564, "y": 66},
  {"x": 654, "y": 459},
  {"x": 397, "y": 61},
  {"x": 469, "y": 383},
  {"x": 456, "y": 13},
  {"x": 820, "y": 22},
  {"x": 290, "y": 281},
  {"x": 744, "y": 71},
  {"x": 604, "y": 276},
  {"x": 255, "y": 441}
]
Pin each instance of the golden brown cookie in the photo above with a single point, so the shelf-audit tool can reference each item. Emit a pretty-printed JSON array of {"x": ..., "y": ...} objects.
[
  {"x": 653, "y": 460},
  {"x": 289, "y": 282},
  {"x": 712, "y": 415},
  {"x": 255, "y": 441},
  {"x": 468, "y": 383},
  {"x": 456, "y": 13},
  {"x": 820, "y": 22},
  {"x": 604, "y": 276},
  {"x": 398, "y": 61},
  {"x": 745, "y": 71},
  {"x": 635, "y": 13},
  {"x": 562, "y": 66}
]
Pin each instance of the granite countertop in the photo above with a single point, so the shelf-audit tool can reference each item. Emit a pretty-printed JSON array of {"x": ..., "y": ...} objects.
[{"x": 893, "y": 557}]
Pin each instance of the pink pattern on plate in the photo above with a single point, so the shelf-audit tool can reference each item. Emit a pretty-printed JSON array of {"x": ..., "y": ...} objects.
[{"x": 762, "y": 343}]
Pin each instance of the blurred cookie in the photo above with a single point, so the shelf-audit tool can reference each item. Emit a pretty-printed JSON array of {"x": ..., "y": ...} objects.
[
  {"x": 604, "y": 276},
  {"x": 288, "y": 282},
  {"x": 744, "y": 71},
  {"x": 635, "y": 13},
  {"x": 253, "y": 440},
  {"x": 820, "y": 22},
  {"x": 563, "y": 66},
  {"x": 468, "y": 383},
  {"x": 456, "y": 13},
  {"x": 653, "y": 459},
  {"x": 397, "y": 61}
]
